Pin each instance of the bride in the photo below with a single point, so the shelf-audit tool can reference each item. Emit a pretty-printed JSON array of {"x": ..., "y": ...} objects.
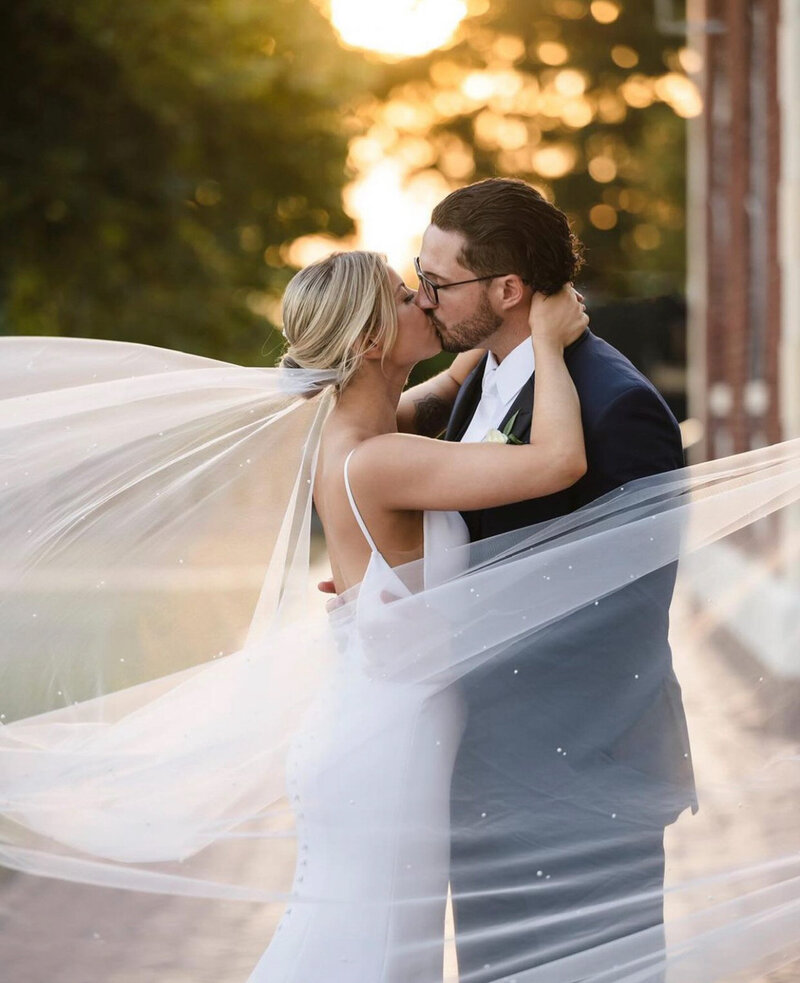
[{"x": 377, "y": 864}]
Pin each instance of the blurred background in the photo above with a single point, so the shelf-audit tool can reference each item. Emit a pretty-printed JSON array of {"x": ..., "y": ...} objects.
[{"x": 165, "y": 167}]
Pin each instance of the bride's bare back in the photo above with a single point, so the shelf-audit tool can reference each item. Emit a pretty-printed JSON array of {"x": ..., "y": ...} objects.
[{"x": 398, "y": 534}]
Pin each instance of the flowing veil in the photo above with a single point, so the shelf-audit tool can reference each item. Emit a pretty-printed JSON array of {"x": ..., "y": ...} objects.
[{"x": 160, "y": 645}]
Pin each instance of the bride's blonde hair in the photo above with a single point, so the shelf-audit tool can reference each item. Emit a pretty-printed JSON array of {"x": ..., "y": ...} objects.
[{"x": 337, "y": 309}]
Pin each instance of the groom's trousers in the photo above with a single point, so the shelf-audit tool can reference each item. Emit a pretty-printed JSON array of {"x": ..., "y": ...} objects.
[
  {"x": 573, "y": 760},
  {"x": 570, "y": 883}
]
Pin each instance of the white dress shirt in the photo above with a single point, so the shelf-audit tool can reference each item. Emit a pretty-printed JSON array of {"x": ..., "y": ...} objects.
[{"x": 501, "y": 386}]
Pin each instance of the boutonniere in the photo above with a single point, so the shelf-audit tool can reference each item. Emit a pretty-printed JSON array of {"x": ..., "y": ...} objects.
[{"x": 503, "y": 436}]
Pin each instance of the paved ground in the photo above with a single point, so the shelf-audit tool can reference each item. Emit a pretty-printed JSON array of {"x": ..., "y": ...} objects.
[
  {"x": 53, "y": 932},
  {"x": 743, "y": 729}
]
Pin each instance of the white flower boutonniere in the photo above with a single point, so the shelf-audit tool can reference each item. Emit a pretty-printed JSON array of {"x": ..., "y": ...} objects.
[{"x": 503, "y": 436}]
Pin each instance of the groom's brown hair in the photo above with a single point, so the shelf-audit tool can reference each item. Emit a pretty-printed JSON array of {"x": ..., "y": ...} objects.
[{"x": 510, "y": 227}]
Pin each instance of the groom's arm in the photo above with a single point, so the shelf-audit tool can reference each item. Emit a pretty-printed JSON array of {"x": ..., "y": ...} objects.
[{"x": 425, "y": 408}]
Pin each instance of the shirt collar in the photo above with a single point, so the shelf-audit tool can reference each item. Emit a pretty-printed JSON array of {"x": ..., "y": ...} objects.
[{"x": 512, "y": 373}]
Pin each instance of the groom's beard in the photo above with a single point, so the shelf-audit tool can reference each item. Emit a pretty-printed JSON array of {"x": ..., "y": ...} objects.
[{"x": 471, "y": 332}]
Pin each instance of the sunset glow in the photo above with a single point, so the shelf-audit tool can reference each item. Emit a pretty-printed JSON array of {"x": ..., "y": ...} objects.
[
  {"x": 392, "y": 210},
  {"x": 403, "y": 159},
  {"x": 399, "y": 28}
]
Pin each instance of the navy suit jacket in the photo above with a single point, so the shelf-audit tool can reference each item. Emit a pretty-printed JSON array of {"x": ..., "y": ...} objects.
[
  {"x": 629, "y": 433},
  {"x": 606, "y": 671}
]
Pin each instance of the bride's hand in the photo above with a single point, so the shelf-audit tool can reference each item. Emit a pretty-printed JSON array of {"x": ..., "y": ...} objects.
[{"x": 560, "y": 318}]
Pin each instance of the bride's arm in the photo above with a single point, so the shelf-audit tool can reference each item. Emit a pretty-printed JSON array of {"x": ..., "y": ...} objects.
[
  {"x": 404, "y": 472},
  {"x": 425, "y": 408}
]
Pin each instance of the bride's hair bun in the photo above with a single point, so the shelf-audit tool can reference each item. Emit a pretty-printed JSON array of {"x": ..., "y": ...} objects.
[
  {"x": 335, "y": 310},
  {"x": 287, "y": 362}
]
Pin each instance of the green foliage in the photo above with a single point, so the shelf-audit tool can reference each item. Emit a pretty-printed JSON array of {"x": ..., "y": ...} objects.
[
  {"x": 150, "y": 156},
  {"x": 643, "y": 252},
  {"x": 156, "y": 158}
]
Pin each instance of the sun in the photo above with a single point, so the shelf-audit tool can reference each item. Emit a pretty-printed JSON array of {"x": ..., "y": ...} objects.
[{"x": 397, "y": 28}]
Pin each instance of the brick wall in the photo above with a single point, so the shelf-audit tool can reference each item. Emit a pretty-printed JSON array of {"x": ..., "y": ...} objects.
[{"x": 736, "y": 239}]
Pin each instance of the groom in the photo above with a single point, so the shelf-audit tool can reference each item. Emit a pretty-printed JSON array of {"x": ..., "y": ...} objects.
[{"x": 570, "y": 767}]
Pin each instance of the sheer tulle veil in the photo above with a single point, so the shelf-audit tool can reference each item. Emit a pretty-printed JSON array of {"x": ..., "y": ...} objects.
[{"x": 161, "y": 643}]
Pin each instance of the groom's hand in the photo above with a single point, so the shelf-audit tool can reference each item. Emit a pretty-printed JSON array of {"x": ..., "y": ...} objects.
[
  {"x": 333, "y": 602},
  {"x": 327, "y": 587}
]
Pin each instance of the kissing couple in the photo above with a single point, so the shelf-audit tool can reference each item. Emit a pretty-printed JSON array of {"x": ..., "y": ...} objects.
[{"x": 533, "y": 782}]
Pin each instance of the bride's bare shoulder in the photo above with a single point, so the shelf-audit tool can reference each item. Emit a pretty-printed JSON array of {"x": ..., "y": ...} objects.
[{"x": 347, "y": 453}]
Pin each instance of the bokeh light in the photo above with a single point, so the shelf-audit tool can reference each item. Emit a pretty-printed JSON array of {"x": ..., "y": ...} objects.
[
  {"x": 554, "y": 161},
  {"x": 552, "y": 52},
  {"x": 603, "y": 217},
  {"x": 624, "y": 57},
  {"x": 539, "y": 110},
  {"x": 602, "y": 168},
  {"x": 680, "y": 93},
  {"x": 647, "y": 236},
  {"x": 571, "y": 9},
  {"x": 638, "y": 91},
  {"x": 570, "y": 82},
  {"x": 604, "y": 11},
  {"x": 690, "y": 60}
]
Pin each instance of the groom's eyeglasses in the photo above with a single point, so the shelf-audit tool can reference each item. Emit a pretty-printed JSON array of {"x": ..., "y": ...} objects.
[{"x": 431, "y": 289}]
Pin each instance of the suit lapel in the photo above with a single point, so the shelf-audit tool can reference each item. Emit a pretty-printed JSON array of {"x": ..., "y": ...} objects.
[
  {"x": 523, "y": 404},
  {"x": 466, "y": 403},
  {"x": 523, "y": 407}
]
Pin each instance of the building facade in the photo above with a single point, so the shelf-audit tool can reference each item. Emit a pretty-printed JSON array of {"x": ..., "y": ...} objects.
[{"x": 744, "y": 234}]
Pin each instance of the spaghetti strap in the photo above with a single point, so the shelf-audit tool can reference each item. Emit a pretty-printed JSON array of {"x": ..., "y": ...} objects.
[{"x": 354, "y": 507}]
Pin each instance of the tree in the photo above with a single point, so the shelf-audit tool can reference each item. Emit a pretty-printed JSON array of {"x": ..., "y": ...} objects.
[
  {"x": 585, "y": 100},
  {"x": 153, "y": 156}
]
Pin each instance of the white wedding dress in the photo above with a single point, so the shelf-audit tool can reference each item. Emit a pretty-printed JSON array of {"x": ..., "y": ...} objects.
[{"x": 371, "y": 800}]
